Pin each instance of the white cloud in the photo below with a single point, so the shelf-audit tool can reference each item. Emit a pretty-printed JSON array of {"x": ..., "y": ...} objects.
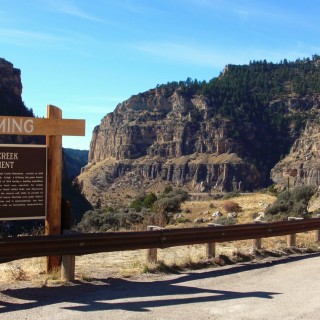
[
  {"x": 57, "y": 39},
  {"x": 138, "y": 8},
  {"x": 217, "y": 57},
  {"x": 67, "y": 7},
  {"x": 181, "y": 53},
  {"x": 27, "y": 38}
]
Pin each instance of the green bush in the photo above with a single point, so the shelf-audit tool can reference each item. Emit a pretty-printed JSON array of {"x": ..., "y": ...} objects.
[
  {"x": 292, "y": 202},
  {"x": 224, "y": 220},
  {"x": 167, "y": 190},
  {"x": 149, "y": 200},
  {"x": 143, "y": 201},
  {"x": 171, "y": 201},
  {"x": 272, "y": 190},
  {"x": 145, "y": 210},
  {"x": 100, "y": 220},
  {"x": 178, "y": 193}
]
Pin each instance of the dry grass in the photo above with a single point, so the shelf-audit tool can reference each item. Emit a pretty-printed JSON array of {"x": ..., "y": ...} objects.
[
  {"x": 250, "y": 204},
  {"x": 132, "y": 263},
  {"x": 23, "y": 270}
]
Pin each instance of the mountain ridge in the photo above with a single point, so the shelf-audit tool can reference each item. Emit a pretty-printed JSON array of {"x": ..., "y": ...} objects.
[{"x": 255, "y": 112}]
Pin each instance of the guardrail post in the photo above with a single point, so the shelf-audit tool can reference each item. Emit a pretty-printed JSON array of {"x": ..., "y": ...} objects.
[
  {"x": 211, "y": 246},
  {"x": 68, "y": 268},
  {"x": 256, "y": 243},
  {"x": 291, "y": 238},
  {"x": 152, "y": 254},
  {"x": 68, "y": 264},
  {"x": 318, "y": 232}
]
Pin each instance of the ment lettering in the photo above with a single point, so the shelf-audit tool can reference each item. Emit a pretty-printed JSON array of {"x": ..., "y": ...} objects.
[{"x": 6, "y": 164}]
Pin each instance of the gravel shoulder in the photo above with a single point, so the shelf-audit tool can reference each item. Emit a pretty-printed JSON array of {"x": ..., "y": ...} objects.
[{"x": 284, "y": 288}]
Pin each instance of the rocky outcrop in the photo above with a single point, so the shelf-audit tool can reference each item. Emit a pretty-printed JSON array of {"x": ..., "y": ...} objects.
[
  {"x": 302, "y": 165},
  {"x": 165, "y": 125},
  {"x": 11, "y": 103},
  {"x": 10, "y": 79},
  {"x": 163, "y": 135},
  {"x": 196, "y": 172}
]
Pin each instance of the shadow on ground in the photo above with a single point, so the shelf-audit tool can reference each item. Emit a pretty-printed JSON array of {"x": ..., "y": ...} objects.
[{"x": 139, "y": 296}]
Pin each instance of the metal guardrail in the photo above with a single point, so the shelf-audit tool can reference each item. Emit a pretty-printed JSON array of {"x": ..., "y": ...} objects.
[{"x": 79, "y": 244}]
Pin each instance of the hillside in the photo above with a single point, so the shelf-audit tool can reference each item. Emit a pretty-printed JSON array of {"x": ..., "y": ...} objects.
[{"x": 226, "y": 134}]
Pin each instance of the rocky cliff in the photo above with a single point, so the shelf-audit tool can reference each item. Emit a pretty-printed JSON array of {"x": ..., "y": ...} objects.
[
  {"x": 302, "y": 165},
  {"x": 10, "y": 80},
  {"x": 225, "y": 135},
  {"x": 11, "y": 103},
  {"x": 158, "y": 136}
]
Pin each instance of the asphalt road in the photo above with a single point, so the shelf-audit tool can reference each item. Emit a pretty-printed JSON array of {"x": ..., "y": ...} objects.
[{"x": 288, "y": 288}]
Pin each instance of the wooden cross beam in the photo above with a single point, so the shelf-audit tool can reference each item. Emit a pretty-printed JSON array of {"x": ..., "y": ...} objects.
[{"x": 42, "y": 126}]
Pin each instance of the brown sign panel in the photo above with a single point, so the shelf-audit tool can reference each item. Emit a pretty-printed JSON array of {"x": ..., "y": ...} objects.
[{"x": 23, "y": 182}]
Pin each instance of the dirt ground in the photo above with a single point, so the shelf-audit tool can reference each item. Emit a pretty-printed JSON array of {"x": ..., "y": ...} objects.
[{"x": 277, "y": 288}]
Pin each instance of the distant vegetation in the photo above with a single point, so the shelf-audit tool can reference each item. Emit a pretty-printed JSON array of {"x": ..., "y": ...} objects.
[
  {"x": 242, "y": 88},
  {"x": 243, "y": 93},
  {"x": 291, "y": 203},
  {"x": 146, "y": 209}
]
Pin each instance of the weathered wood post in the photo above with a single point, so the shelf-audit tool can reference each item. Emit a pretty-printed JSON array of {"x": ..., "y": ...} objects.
[
  {"x": 68, "y": 262},
  {"x": 211, "y": 246},
  {"x": 291, "y": 238},
  {"x": 318, "y": 232},
  {"x": 53, "y": 219},
  {"x": 152, "y": 253},
  {"x": 68, "y": 265},
  {"x": 257, "y": 243}
]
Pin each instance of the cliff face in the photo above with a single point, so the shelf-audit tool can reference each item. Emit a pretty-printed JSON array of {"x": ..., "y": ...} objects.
[
  {"x": 159, "y": 123},
  {"x": 11, "y": 103},
  {"x": 10, "y": 79},
  {"x": 302, "y": 165},
  {"x": 165, "y": 137},
  {"x": 225, "y": 135}
]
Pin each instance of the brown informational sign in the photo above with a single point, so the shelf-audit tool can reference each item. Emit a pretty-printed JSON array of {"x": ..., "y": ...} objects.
[{"x": 23, "y": 182}]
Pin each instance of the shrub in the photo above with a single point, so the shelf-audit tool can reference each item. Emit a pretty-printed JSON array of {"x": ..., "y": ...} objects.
[
  {"x": 143, "y": 201},
  {"x": 149, "y": 200},
  {"x": 303, "y": 194},
  {"x": 294, "y": 202},
  {"x": 179, "y": 193},
  {"x": 272, "y": 190},
  {"x": 167, "y": 204},
  {"x": 167, "y": 190},
  {"x": 231, "y": 206},
  {"x": 100, "y": 221},
  {"x": 182, "y": 220},
  {"x": 225, "y": 220},
  {"x": 145, "y": 209}
]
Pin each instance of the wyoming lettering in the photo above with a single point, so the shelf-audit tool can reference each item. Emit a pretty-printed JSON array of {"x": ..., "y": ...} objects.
[
  {"x": 16, "y": 125},
  {"x": 8, "y": 156}
]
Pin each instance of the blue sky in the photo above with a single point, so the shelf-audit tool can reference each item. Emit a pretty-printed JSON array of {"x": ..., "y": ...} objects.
[{"x": 87, "y": 56}]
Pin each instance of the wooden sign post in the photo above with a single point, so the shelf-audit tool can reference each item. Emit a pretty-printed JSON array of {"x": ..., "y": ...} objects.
[
  {"x": 53, "y": 127},
  {"x": 53, "y": 218}
]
